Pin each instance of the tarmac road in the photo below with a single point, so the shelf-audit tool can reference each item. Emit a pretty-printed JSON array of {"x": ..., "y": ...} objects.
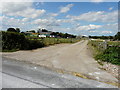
[{"x": 16, "y": 74}]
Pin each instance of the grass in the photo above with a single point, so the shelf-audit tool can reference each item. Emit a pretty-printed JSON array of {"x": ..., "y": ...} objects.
[
  {"x": 52, "y": 41},
  {"x": 108, "y": 55},
  {"x": 114, "y": 43}
]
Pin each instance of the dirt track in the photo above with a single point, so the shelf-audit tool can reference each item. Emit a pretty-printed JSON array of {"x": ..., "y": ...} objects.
[{"x": 71, "y": 57}]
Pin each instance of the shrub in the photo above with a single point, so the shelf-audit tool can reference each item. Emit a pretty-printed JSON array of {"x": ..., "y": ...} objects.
[
  {"x": 110, "y": 55},
  {"x": 12, "y": 40},
  {"x": 34, "y": 44},
  {"x": 16, "y": 41}
]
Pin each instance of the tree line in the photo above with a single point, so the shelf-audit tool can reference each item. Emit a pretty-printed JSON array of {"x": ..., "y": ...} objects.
[
  {"x": 58, "y": 34},
  {"x": 66, "y": 35},
  {"x": 116, "y": 37}
]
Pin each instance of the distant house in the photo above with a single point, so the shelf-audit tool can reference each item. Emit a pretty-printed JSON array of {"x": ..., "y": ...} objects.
[
  {"x": 34, "y": 34},
  {"x": 44, "y": 33},
  {"x": 52, "y": 36},
  {"x": 42, "y": 36}
]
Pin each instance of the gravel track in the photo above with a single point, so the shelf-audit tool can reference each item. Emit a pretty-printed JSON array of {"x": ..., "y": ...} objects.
[{"x": 70, "y": 57}]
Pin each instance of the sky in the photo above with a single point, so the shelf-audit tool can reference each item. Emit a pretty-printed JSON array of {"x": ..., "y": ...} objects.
[{"x": 79, "y": 18}]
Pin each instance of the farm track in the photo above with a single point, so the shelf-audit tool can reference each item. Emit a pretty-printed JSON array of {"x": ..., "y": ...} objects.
[{"x": 74, "y": 58}]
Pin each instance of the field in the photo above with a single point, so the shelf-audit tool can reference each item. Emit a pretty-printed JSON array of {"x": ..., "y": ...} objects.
[
  {"x": 52, "y": 41},
  {"x": 106, "y": 51},
  {"x": 114, "y": 43}
]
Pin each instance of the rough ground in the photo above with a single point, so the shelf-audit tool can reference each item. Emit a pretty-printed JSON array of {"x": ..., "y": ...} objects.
[{"x": 70, "y": 57}]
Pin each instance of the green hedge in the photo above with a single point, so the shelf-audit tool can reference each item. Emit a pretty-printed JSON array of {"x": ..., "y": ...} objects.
[
  {"x": 12, "y": 40},
  {"x": 17, "y": 41}
]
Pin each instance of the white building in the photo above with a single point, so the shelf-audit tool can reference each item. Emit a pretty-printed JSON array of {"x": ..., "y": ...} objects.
[{"x": 42, "y": 36}]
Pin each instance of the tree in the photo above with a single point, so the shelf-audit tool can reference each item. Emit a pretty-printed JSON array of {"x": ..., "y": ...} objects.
[
  {"x": 11, "y": 30},
  {"x": 44, "y": 30},
  {"x": 66, "y": 35},
  {"x": 18, "y": 30},
  {"x": 22, "y": 32},
  {"x": 110, "y": 37},
  {"x": 31, "y": 31}
]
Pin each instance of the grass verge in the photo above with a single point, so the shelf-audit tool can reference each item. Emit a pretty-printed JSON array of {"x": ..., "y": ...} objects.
[{"x": 108, "y": 55}]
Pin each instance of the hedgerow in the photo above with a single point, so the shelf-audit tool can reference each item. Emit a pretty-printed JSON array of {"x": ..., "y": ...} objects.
[
  {"x": 17, "y": 41},
  {"x": 12, "y": 41}
]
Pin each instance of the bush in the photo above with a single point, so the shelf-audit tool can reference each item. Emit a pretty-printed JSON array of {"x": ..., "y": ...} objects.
[
  {"x": 11, "y": 30},
  {"x": 110, "y": 55},
  {"x": 12, "y": 40},
  {"x": 16, "y": 41},
  {"x": 34, "y": 44}
]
